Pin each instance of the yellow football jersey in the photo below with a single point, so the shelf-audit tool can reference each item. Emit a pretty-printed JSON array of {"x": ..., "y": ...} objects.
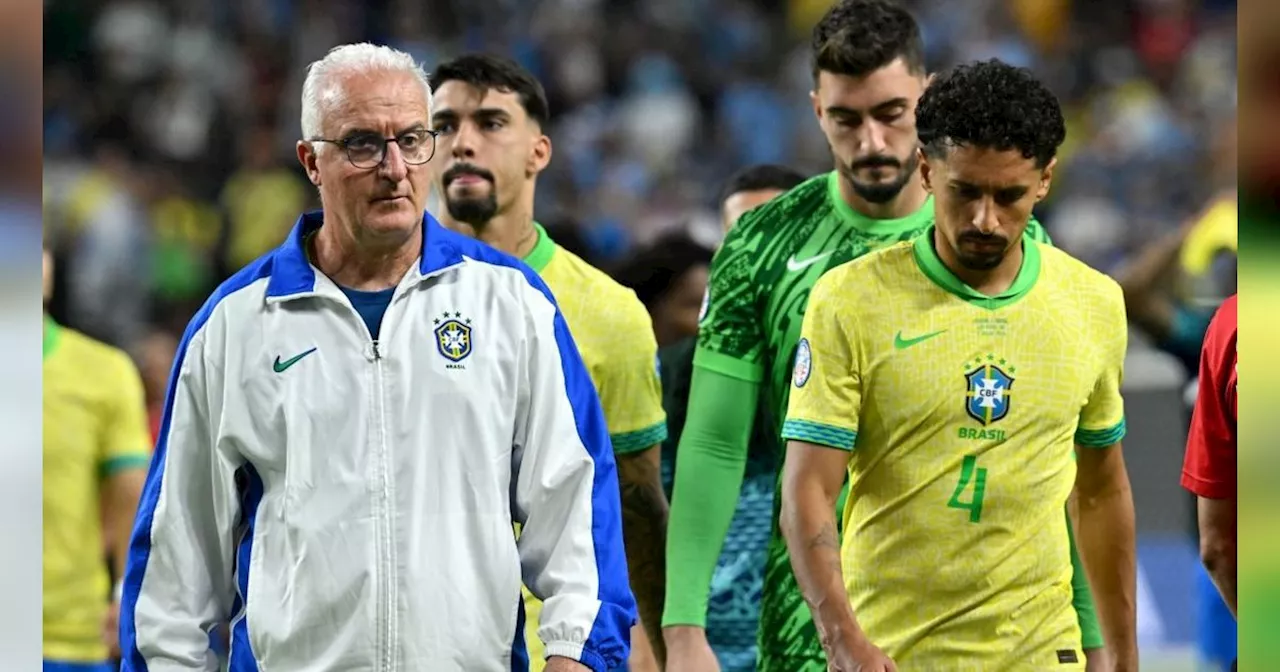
[
  {"x": 613, "y": 332},
  {"x": 960, "y": 411},
  {"x": 95, "y": 425}
]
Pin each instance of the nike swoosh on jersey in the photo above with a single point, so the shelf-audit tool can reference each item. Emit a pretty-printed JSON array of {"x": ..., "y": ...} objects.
[
  {"x": 279, "y": 366},
  {"x": 793, "y": 265},
  {"x": 900, "y": 343}
]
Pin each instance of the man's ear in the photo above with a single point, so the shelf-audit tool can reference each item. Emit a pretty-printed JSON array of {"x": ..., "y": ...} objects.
[
  {"x": 817, "y": 105},
  {"x": 540, "y": 156},
  {"x": 926, "y": 170},
  {"x": 1046, "y": 178},
  {"x": 307, "y": 156}
]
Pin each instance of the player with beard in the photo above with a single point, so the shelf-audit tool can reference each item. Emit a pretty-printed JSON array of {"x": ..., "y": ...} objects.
[
  {"x": 953, "y": 380},
  {"x": 489, "y": 114},
  {"x": 869, "y": 71}
]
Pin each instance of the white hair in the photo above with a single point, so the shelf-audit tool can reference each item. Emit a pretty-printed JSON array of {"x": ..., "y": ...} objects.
[{"x": 320, "y": 90}]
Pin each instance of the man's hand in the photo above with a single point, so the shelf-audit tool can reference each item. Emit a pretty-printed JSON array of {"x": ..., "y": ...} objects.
[
  {"x": 858, "y": 656},
  {"x": 562, "y": 664},
  {"x": 688, "y": 650},
  {"x": 111, "y": 630}
]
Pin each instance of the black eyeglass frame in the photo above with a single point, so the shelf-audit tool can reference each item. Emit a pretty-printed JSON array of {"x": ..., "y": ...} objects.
[{"x": 346, "y": 143}]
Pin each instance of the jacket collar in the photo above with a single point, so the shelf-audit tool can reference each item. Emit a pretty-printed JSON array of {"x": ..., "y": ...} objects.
[{"x": 293, "y": 276}]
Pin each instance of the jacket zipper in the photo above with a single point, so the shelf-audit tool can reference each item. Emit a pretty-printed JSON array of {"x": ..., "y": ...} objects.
[
  {"x": 388, "y": 525},
  {"x": 386, "y": 549}
]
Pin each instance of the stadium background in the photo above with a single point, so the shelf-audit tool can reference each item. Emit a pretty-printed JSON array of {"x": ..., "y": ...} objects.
[{"x": 169, "y": 131}]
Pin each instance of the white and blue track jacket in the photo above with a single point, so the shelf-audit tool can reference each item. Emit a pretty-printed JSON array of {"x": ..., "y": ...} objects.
[{"x": 347, "y": 504}]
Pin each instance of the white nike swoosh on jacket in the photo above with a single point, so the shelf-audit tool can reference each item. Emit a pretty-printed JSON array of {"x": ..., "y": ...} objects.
[{"x": 353, "y": 510}]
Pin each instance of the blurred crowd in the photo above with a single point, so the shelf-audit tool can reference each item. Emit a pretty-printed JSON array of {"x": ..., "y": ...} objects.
[{"x": 169, "y": 125}]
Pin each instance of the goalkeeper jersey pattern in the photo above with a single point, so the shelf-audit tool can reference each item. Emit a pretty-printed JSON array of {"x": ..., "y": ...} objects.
[
  {"x": 961, "y": 412},
  {"x": 760, "y": 284}
]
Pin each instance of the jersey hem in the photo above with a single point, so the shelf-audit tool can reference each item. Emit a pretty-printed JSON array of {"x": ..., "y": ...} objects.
[
  {"x": 1101, "y": 438},
  {"x": 641, "y": 439},
  {"x": 115, "y": 465},
  {"x": 81, "y": 654},
  {"x": 728, "y": 365},
  {"x": 1207, "y": 489},
  {"x": 819, "y": 433}
]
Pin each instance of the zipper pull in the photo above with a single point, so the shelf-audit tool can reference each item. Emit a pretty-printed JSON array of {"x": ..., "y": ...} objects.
[{"x": 377, "y": 354}]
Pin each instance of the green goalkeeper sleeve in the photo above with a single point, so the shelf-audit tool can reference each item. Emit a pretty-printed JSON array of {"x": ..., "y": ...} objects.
[{"x": 710, "y": 463}]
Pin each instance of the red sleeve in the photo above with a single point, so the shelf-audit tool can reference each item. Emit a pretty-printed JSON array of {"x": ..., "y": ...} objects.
[{"x": 1209, "y": 468}]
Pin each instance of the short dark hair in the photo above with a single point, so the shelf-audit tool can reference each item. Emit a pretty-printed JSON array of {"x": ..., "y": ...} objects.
[
  {"x": 490, "y": 71},
  {"x": 653, "y": 271},
  {"x": 761, "y": 176},
  {"x": 858, "y": 37},
  {"x": 993, "y": 105}
]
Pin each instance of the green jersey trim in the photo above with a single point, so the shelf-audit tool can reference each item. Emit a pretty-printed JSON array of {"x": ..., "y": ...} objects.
[
  {"x": 819, "y": 433},
  {"x": 542, "y": 251},
  {"x": 875, "y": 227},
  {"x": 52, "y": 334},
  {"x": 728, "y": 366},
  {"x": 1101, "y": 438},
  {"x": 631, "y": 442},
  {"x": 933, "y": 268},
  {"x": 121, "y": 463}
]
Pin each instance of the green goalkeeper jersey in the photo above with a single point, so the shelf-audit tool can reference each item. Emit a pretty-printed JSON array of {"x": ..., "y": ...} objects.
[{"x": 760, "y": 283}]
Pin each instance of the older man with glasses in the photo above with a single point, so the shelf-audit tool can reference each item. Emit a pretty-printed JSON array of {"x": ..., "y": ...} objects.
[{"x": 355, "y": 422}]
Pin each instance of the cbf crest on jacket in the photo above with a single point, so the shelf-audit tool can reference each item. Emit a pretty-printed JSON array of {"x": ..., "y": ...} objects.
[{"x": 347, "y": 504}]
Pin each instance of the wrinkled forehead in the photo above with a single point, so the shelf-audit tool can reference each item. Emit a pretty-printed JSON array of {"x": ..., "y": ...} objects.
[
  {"x": 456, "y": 99},
  {"x": 889, "y": 85},
  {"x": 381, "y": 101}
]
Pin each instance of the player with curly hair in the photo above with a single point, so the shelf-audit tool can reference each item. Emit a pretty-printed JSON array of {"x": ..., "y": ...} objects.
[
  {"x": 868, "y": 74},
  {"x": 964, "y": 382}
]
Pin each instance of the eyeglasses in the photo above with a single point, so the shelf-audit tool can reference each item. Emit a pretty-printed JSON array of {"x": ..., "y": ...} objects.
[{"x": 369, "y": 150}]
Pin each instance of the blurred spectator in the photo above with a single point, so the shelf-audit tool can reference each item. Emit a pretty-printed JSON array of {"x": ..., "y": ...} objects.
[
  {"x": 155, "y": 357},
  {"x": 649, "y": 119},
  {"x": 261, "y": 199}
]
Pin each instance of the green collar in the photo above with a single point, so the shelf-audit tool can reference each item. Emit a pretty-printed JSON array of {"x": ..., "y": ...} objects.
[
  {"x": 933, "y": 268},
  {"x": 876, "y": 227},
  {"x": 52, "y": 333},
  {"x": 542, "y": 251}
]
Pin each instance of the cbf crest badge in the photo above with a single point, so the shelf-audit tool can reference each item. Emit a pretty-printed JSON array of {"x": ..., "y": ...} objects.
[
  {"x": 453, "y": 337},
  {"x": 989, "y": 381}
]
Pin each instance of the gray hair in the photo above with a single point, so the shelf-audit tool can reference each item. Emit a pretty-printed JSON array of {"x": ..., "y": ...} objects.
[{"x": 320, "y": 90}]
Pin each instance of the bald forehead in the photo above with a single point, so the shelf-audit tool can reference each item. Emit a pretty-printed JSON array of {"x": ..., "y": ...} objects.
[{"x": 381, "y": 100}]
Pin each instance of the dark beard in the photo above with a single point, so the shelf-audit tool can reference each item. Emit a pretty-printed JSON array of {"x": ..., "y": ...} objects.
[
  {"x": 980, "y": 262},
  {"x": 882, "y": 192},
  {"x": 475, "y": 212},
  {"x": 984, "y": 261}
]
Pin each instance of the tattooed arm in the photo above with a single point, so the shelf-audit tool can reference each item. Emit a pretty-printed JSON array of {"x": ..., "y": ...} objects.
[
  {"x": 644, "y": 531},
  {"x": 812, "y": 479}
]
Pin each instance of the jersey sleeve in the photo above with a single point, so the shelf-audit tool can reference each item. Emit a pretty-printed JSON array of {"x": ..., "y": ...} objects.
[
  {"x": 731, "y": 337},
  {"x": 627, "y": 380},
  {"x": 1209, "y": 466},
  {"x": 826, "y": 394},
  {"x": 1102, "y": 421},
  {"x": 126, "y": 439}
]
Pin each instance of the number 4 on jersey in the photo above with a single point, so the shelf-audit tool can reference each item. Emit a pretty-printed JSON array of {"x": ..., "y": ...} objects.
[{"x": 970, "y": 473}]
